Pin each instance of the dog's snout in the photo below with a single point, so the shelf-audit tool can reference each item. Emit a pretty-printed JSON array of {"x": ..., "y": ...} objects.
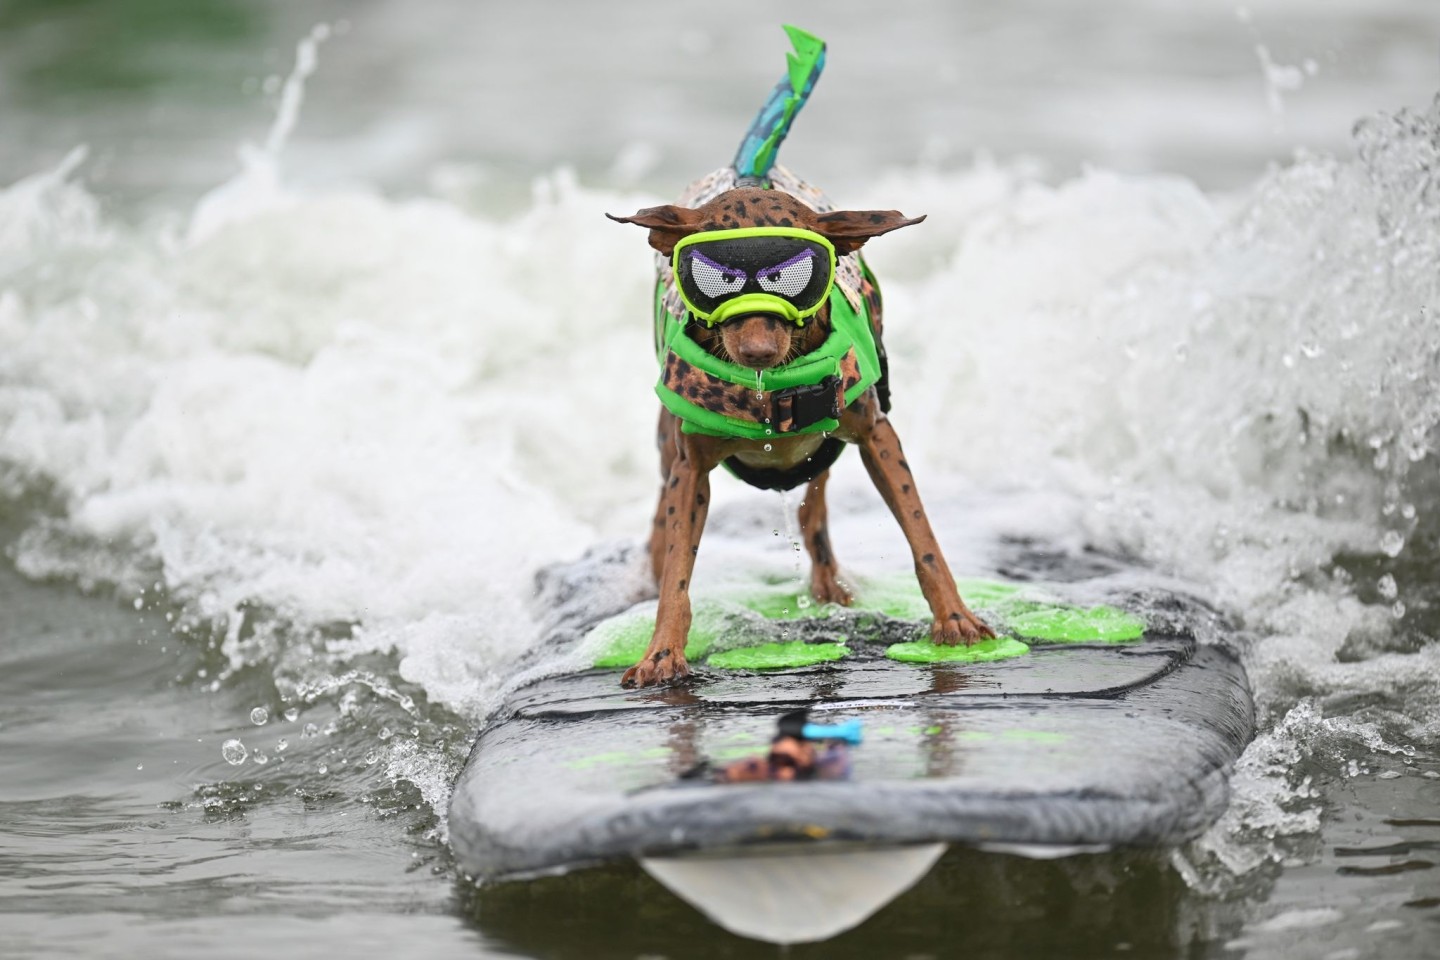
[
  {"x": 758, "y": 341},
  {"x": 758, "y": 355}
]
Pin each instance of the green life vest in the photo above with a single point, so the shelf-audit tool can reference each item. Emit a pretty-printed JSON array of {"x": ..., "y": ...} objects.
[{"x": 723, "y": 399}]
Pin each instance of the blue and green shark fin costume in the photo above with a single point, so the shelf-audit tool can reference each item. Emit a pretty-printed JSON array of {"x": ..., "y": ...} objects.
[{"x": 761, "y": 145}]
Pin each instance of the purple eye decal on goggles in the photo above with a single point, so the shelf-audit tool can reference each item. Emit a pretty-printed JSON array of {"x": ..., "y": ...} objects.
[
  {"x": 788, "y": 278},
  {"x": 715, "y": 279},
  {"x": 792, "y": 269}
]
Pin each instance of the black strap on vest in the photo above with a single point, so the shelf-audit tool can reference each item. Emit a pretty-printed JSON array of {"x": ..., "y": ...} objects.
[
  {"x": 882, "y": 386},
  {"x": 796, "y": 408},
  {"x": 768, "y": 478}
]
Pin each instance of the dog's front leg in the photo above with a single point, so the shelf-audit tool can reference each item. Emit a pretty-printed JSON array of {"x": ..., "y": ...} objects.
[
  {"x": 885, "y": 462},
  {"x": 666, "y": 433},
  {"x": 684, "y": 505}
]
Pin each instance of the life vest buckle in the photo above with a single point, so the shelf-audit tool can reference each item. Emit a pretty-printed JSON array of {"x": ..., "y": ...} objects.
[{"x": 796, "y": 408}]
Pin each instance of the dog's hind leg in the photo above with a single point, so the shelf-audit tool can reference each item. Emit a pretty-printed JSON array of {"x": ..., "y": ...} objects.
[{"x": 825, "y": 585}]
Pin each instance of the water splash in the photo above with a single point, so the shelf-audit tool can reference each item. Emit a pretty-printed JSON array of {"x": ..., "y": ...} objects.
[
  {"x": 1281, "y": 79},
  {"x": 257, "y": 189}
]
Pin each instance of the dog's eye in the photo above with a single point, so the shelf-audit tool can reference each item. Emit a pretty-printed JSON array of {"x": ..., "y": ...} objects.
[
  {"x": 791, "y": 277},
  {"x": 714, "y": 279}
]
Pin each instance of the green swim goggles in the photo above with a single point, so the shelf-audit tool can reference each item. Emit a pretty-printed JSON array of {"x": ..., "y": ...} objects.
[{"x": 780, "y": 270}]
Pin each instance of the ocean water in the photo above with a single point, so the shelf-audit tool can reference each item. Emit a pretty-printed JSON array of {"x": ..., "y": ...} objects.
[{"x": 315, "y": 347}]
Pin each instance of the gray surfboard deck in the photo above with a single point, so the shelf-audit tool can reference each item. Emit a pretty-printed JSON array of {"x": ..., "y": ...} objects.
[{"x": 1069, "y": 745}]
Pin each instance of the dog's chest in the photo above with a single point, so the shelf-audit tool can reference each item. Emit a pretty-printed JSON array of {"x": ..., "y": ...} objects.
[{"x": 779, "y": 453}]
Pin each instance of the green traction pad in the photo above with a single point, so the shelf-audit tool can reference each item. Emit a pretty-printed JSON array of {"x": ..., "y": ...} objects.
[
  {"x": 997, "y": 648},
  {"x": 1052, "y": 623},
  {"x": 1010, "y": 608},
  {"x": 776, "y": 656}
]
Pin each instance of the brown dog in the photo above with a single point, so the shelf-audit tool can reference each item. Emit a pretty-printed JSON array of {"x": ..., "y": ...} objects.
[{"x": 762, "y": 341}]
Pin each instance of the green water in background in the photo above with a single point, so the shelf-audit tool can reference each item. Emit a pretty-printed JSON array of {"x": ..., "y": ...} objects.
[
  {"x": 432, "y": 93},
  {"x": 125, "y": 51}
]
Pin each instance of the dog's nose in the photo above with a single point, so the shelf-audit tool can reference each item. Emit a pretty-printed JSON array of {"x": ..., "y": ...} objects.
[
  {"x": 758, "y": 341},
  {"x": 758, "y": 356}
]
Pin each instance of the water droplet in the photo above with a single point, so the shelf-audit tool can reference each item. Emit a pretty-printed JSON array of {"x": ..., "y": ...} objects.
[
  {"x": 322, "y": 768},
  {"x": 386, "y": 733},
  {"x": 1386, "y": 586},
  {"x": 802, "y": 601},
  {"x": 292, "y": 714},
  {"x": 371, "y": 757},
  {"x": 1392, "y": 543},
  {"x": 768, "y": 448},
  {"x": 310, "y": 731},
  {"x": 259, "y": 716},
  {"x": 282, "y": 745},
  {"x": 139, "y": 603},
  {"x": 139, "y": 766},
  {"x": 260, "y": 757},
  {"x": 234, "y": 752},
  {"x": 1398, "y": 610},
  {"x": 1407, "y": 510}
]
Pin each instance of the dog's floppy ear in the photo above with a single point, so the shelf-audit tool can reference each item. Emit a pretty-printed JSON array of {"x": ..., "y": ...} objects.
[
  {"x": 849, "y": 229},
  {"x": 668, "y": 224}
]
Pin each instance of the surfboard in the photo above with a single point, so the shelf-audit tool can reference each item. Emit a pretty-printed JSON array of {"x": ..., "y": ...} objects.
[{"x": 1079, "y": 728}]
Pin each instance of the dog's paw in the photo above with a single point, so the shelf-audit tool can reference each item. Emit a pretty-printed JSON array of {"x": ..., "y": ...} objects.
[
  {"x": 826, "y": 587},
  {"x": 960, "y": 628},
  {"x": 656, "y": 668}
]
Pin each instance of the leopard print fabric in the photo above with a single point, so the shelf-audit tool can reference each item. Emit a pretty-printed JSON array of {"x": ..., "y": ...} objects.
[{"x": 737, "y": 400}]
